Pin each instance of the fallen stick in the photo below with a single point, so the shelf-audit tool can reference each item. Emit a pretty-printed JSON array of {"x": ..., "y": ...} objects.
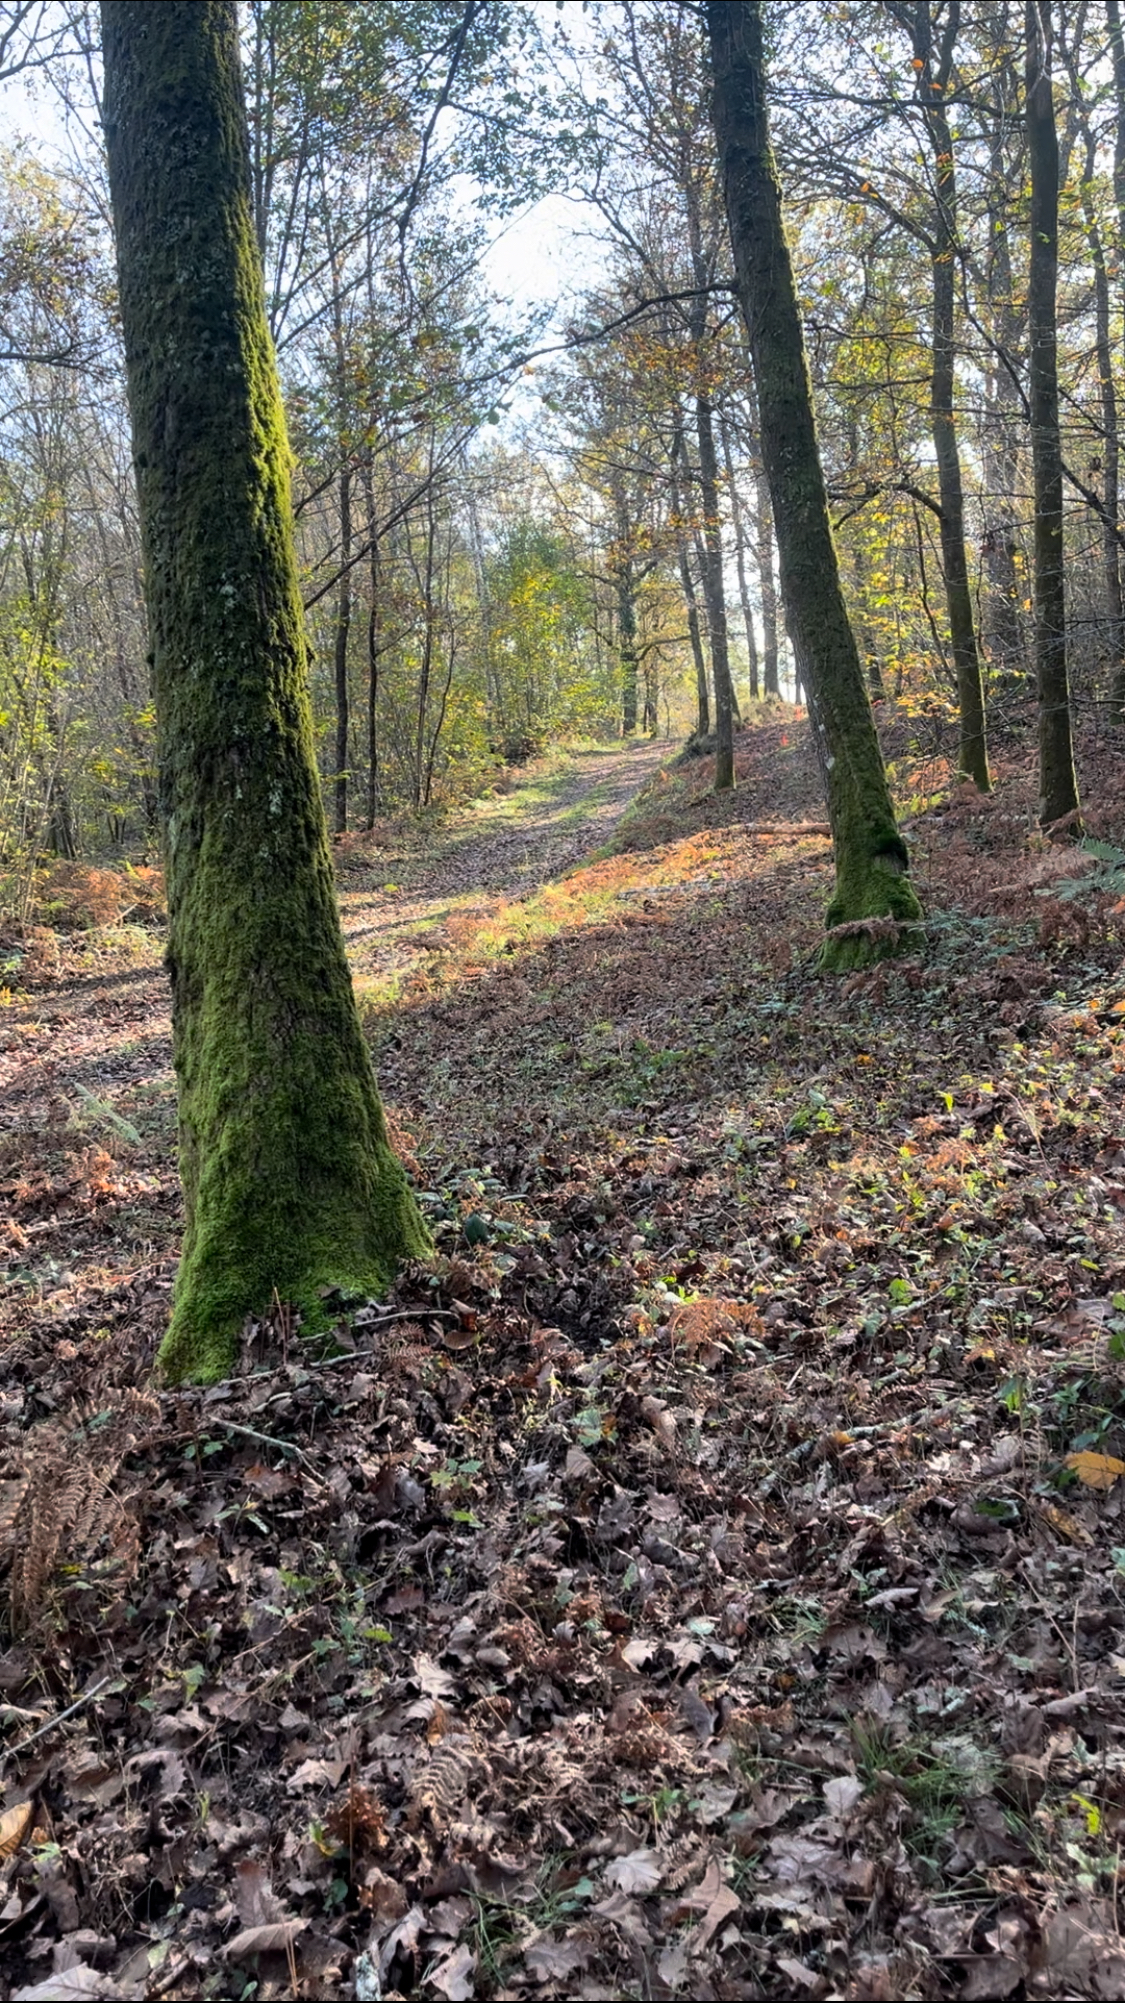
[
  {"x": 784, "y": 828},
  {"x": 13, "y": 1752}
]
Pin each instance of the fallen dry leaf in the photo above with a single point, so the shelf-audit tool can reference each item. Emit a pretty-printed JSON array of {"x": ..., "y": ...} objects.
[
  {"x": 638, "y": 1873},
  {"x": 275, "y": 1938},
  {"x": 1096, "y": 1470},
  {"x": 80, "y": 1984},
  {"x": 15, "y": 1827},
  {"x": 453, "y": 1977}
]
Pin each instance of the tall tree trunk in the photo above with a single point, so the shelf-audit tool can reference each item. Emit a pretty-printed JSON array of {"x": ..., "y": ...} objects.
[
  {"x": 1004, "y": 429},
  {"x": 340, "y": 652},
  {"x": 740, "y": 557},
  {"x": 933, "y": 83},
  {"x": 429, "y": 618},
  {"x": 767, "y": 589},
  {"x": 1058, "y": 786},
  {"x": 687, "y": 583},
  {"x": 711, "y": 567},
  {"x": 714, "y": 594},
  {"x": 1117, "y": 46},
  {"x": 872, "y": 883},
  {"x": 290, "y": 1185},
  {"x": 373, "y": 648},
  {"x": 626, "y": 595},
  {"x": 1110, "y": 451}
]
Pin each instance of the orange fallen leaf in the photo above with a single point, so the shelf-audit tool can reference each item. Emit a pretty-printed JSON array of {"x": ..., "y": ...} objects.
[
  {"x": 14, "y": 1826},
  {"x": 1096, "y": 1470}
]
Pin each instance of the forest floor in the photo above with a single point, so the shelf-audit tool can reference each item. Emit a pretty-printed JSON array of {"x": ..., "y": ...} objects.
[{"x": 704, "y": 1579}]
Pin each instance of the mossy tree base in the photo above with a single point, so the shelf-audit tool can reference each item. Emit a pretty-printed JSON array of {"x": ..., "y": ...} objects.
[
  {"x": 873, "y": 916},
  {"x": 290, "y": 1185}
]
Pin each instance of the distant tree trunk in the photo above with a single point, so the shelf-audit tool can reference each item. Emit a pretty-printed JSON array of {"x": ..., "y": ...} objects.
[
  {"x": 771, "y": 682},
  {"x": 740, "y": 558},
  {"x": 429, "y": 619},
  {"x": 290, "y": 1186},
  {"x": 343, "y": 629},
  {"x": 687, "y": 582},
  {"x": 1003, "y": 610},
  {"x": 932, "y": 85},
  {"x": 1110, "y": 445},
  {"x": 872, "y": 882},
  {"x": 1058, "y": 786},
  {"x": 714, "y": 595},
  {"x": 711, "y": 568},
  {"x": 373, "y": 650},
  {"x": 625, "y": 592}
]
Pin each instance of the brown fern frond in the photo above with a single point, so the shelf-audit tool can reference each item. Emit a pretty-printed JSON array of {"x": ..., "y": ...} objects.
[
  {"x": 442, "y": 1782},
  {"x": 67, "y": 1508}
]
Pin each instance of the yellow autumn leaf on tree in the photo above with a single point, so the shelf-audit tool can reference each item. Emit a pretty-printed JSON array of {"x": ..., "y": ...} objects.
[{"x": 1096, "y": 1470}]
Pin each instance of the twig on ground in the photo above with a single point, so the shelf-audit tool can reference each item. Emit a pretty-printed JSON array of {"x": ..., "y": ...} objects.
[{"x": 13, "y": 1752}]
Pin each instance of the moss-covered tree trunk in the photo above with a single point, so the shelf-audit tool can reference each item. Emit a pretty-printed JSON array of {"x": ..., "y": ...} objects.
[
  {"x": 290, "y": 1186},
  {"x": 874, "y": 901},
  {"x": 1058, "y": 786}
]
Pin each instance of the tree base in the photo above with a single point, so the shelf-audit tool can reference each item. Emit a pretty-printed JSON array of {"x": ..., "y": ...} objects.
[
  {"x": 872, "y": 917},
  {"x": 222, "y": 1281}
]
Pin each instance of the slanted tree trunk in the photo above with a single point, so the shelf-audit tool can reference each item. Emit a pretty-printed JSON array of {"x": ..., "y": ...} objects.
[
  {"x": 1058, "y": 786},
  {"x": 872, "y": 883},
  {"x": 932, "y": 85},
  {"x": 290, "y": 1185}
]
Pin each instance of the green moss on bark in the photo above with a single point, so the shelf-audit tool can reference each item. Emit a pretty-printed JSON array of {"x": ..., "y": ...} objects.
[{"x": 289, "y": 1181}]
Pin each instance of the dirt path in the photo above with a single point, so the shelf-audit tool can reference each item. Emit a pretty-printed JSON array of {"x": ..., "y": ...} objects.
[
  {"x": 94, "y": 1028},
  {"x": 497, "y": 851}
]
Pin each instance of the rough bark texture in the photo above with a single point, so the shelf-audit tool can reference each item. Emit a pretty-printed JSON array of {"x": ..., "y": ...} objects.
[
  {"x": 290, "y": 1186},
  {"x": 872, "y": 883},
  {"x": 933, "y": 82},
  {"x": 1058, "y": 786}
]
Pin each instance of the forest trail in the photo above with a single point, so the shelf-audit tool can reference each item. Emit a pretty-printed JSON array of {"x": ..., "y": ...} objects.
[
  {"x": 396, "y": 906},
  {"x": 91, "y": 1027}
]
